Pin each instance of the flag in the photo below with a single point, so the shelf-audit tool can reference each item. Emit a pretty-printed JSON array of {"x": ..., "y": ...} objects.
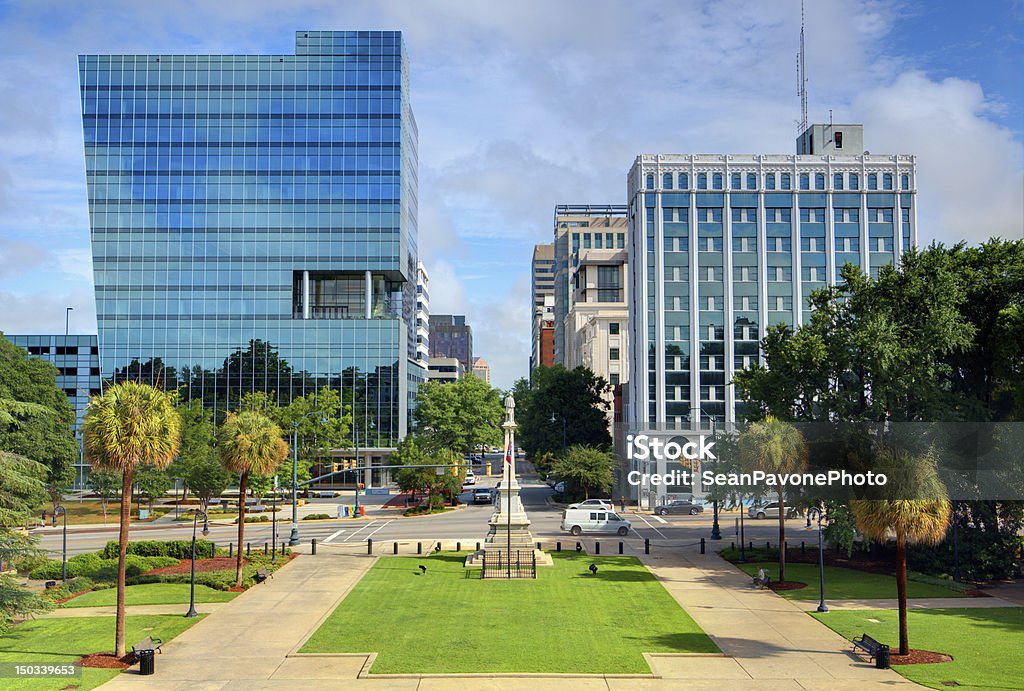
[{"x": 508, "y": 453}]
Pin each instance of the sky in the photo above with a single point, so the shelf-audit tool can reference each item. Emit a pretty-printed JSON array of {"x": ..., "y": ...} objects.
[{"x": 528, "y": 104}]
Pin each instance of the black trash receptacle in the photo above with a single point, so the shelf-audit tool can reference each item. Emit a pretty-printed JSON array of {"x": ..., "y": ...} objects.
[
  {"x": 147, "y": 661},
  {"x": 882, "y": 658}
]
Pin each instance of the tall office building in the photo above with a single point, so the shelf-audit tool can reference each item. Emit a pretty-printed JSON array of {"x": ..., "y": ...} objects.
[
  {"x": 451, "y": 336},
  {"x": 422, "y": 318},
  {"x": 581, "y": 228},
  {"x": 253, "y": 222},
  {"x": 482, "y": 370},
  {"x": 78, "y": 374},
  {"x": 542, "y": 300},
  {"x": 722, "y": 246}
]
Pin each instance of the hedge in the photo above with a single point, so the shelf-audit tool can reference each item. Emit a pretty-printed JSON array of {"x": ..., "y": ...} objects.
[
  {"x": 179, "y": 549},
  {"x": 93, "y": 566}
]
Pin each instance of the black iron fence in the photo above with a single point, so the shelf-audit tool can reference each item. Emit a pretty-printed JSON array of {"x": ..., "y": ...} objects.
[{"x": 516, "y": 564}]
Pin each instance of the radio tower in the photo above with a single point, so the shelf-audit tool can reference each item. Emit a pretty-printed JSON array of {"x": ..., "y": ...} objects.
[{"x": 801, "y": 74}]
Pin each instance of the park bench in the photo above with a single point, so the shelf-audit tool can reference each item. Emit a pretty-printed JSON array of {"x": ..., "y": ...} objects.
[
  {"x": 761, "y": 584},
  {"x": 262, "y": 575},
  {"x": 869, "y": 645},
  {"x": 147, "y": 645}
]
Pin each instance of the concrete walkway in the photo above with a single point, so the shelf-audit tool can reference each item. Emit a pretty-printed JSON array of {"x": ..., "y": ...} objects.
[
  {"x": 252, "y": 641},
  {"x": 767, "y": 639}
]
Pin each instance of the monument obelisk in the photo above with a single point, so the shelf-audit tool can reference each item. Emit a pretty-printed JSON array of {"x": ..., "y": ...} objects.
[{"x": 509, "y": 526}]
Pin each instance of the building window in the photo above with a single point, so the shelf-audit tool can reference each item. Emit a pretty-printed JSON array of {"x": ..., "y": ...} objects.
[
  {"x": 805, "y": 181},
  {"x": 666, "y": 181},
  {"x": 854, "y": 181},
  {"x": 613, "y": 328},
  {"x": 702, "y": 181},
  {"x": 684, "y": 181},
  {"x": 613, "y": 353},
  {"x": 872, "y": 181},
  {"x": 575, "y": 242},
  {"x": 751, "y": 181},
  {"x": 621, "y": 241},
  {"x": 613, "y": 379},
  {"x": 650, "y": 182},
  {"x": 735, "y": 184},
  {"x": 904, "y": 182},
  {"x": 837, "y": 181},
  {"x": 819, "y": 181},
  {"x": 838, "y": 137},
  {"x": 586, "y": 241},
  {"x": 887, "y": 181},
  {"x": 769, "y": 181},
  {"x": 785, "y": 181},
  {"x": 716, "y": 181},
  {"x": 609, "y": 286}
]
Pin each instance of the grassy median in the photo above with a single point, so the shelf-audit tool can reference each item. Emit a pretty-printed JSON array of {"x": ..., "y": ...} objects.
[{"x": 568, "y": 620}]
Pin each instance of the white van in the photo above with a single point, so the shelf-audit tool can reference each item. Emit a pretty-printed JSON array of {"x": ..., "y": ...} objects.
[{"x": 593, "y": 520}]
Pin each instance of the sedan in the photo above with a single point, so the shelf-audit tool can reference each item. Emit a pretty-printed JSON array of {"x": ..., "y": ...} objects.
[
  {"x": 770, "y": 510},
  {"x": 483, "y": 495},
  {"x": 603, "y": 504},
  {"x": 680, "y": 506}
]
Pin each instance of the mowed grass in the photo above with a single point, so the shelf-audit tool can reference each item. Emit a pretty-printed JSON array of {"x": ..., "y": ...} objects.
[
  {"x": 151, "y": 594},
  {"x": 844, "y": 584},
  {"x": 567, "y": 620},
  {"x": 62, "y": 641},
  {"x": 987, "y": 644}
]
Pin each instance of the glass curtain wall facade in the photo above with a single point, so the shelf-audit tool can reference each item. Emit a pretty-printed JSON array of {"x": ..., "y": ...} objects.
[
  {"x": 722, "y": 246},
  {"x": 253, "y": 222}
]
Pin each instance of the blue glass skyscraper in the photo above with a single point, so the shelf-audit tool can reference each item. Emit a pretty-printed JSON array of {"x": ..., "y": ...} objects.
[{"x": 253, "y": 222}]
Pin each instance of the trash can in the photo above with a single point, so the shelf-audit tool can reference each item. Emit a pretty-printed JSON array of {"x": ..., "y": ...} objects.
[
  {"x": 147, "y": 661},
  {"x": 882, "y": 658},
  {"x": 143, "y": 514},
  {"x": 362, "y": 510}
]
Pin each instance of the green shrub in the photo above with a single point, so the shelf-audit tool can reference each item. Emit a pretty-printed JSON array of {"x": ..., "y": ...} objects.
[
  {"x": 262, "y": 518},
  {"x": 316, "y": 517},
  {"x": 95, "y": 567},
  {"x": 66, "y": 590},
  {"x": 179, "y": 549},
  {"x": 29, "y": 563}
]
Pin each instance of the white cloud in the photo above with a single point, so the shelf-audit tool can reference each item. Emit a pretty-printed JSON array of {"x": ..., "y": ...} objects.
[{"x": 43, "y": 312}]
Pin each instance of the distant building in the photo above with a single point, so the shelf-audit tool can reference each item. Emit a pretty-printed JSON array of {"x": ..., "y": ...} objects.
[
  {"x": 481, "y": 370},
  {"x": 546, "y": 355},
  {"x": 445, "y": 370},
  {"x": 422, "y": 317},
  {"x": 542, "y": 289},
  {"x": 452, "y": 336},
  {"x": 78, "y": 374}
]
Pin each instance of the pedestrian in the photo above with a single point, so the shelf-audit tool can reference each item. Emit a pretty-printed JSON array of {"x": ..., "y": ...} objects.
[{"x": 622, "y": 503}]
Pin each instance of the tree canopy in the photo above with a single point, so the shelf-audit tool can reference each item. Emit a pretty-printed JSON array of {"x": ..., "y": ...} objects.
[
  {"x": 462, "y": 415},
  {"x": 561, "y": 408}
]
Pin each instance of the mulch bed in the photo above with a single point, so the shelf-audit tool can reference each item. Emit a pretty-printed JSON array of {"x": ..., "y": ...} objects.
[
  {"x": 787, "y": 585},
  {"x": 202, "y": 565},
  {"x": 919, "y": 657},
  {"x": 107, "y": 661}
]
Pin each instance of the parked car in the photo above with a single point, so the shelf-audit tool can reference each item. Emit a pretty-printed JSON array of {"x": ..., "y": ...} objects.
[
  {"x": 683, "y": 506},
  {"x": 483, "y": 495},
  {"x": 594, "y": 504},
  {"x": 329, "y": 494},
  {"x": 594, "y": 520},
  {"x": 470, "y": 478},
  {"x": 770, "y": 510}
]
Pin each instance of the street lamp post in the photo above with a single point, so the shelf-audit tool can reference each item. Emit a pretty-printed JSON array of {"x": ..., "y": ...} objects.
[
  {"x": 60, "y": 510},
  {"x": 192, "y": 581},
  {"x": 177, "y": 497},
  {"x": 563, "y": 429},
  {"x": 818, "y": 513},
  {"x": 273, "y": 518},
  {"x": 956, "y": 543},
  {"x": 294, "y": 539},
  {"x": 716, "y": 531},
  {"x": 67, "y": 320}
]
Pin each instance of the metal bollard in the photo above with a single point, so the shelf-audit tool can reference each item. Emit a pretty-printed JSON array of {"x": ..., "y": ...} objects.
[
  {"x": 266, "y": 548},
  {"x": 732, "y": 545},
  {"x": 458, "y": 546},
  {"x": 785, "y": 546},
  {"x": 369, "y": 546},
  {"x": 248, "y": 546},
  {"x": 597, "y": 547},
  {"x": 620, "y": 546},
  {"x": 213, "y": 549},
  {"x": 478, "y": 547},
  {"x": 231, "y": 549},
  {"x": 538, "y": 545},
  {"x": 313, "y": 545},
  {"x": 647, "y": 545},
  {"x": 395, "y": 545},
  {"x": 282, "y": 548},
  {"x": 558, "y": 546},
  {"x": 768, "y": 545},
  {"x": 419, "y": 548},
  {"x": 751, "y": 545},
  {"x": 437, "y": 547},
  {"x": 803, "y": 547},
  {"x": 702, "y": 545}
]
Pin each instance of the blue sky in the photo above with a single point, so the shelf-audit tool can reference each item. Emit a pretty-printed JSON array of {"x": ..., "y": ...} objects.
[{"x": 525, "y": 105}]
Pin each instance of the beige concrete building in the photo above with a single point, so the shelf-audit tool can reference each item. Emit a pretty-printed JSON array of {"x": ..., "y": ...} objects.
[
  {"x": 482, "y": 370},
  {"x": 445, "y": 369}
]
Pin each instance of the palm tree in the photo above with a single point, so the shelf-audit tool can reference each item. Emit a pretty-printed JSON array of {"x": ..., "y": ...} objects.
[
  {"x": 249, "y": 443},
  {"x": 777, "y": 448},
  {"x": 917, "y": 511},
  {"x": 131, "y": 424}
]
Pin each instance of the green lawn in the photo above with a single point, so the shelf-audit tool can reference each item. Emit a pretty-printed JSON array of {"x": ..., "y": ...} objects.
[
  {"x": 987, "y": 645},
  {"x": 151, "y": 594},
  {"x": 449, "y": 620},
  {"x": 844, "y": 584},
  {"x": 64, "y": 640}
]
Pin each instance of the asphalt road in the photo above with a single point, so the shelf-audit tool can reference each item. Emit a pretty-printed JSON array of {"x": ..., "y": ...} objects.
[{"x": 469, "y": 523}]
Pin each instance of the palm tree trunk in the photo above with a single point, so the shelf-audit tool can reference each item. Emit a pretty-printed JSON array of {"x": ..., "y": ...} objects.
[
  {"x": 122, "y": 551},
  {"x": 901, "y": 592},
  {"x": 782, "y": 538},
  {"x": 243, "y": 480}
]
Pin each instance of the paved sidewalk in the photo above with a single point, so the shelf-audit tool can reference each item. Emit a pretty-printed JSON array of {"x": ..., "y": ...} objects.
[{"x": 768, "y": 639}]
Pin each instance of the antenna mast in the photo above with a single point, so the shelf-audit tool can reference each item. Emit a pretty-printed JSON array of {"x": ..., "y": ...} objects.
[{"x": 801, "y": 63}]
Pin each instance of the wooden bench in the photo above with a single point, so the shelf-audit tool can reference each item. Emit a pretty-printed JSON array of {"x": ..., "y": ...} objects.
[
  {"x": 869, "y": 645},
  {"x": 262, "y": 575},
  {"x": 146, "y": 645}
]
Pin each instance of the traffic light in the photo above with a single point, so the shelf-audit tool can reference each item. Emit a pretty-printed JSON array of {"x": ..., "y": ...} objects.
[
  {"x": 334, "y": 467},
  {"x": 360, "y": 485}
]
